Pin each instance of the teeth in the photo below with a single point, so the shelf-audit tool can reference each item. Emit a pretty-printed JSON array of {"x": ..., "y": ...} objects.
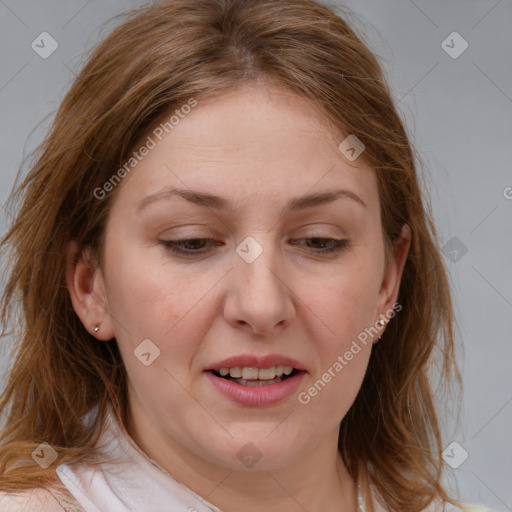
[
  {"x": 249, "y": 373},
  {"x": 267, "y": 373},
  {"x": 235, "y": 372}
]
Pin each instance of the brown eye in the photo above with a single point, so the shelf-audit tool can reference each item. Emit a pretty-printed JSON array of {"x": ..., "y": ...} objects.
[
  {"x": 324, "y": 245},
  {"x": 188, "y": 246}
]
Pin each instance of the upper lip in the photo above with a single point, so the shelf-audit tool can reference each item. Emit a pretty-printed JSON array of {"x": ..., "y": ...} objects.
[{"x": 247, "y": 360}]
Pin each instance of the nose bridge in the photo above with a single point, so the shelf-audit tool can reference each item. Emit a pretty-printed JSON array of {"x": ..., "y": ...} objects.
[
  {"x": 260, "y": 299},
  {"x": 256, "y": 267}
]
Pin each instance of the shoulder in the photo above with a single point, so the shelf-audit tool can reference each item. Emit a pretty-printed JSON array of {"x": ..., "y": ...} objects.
[{"x": 33, "y": 500}]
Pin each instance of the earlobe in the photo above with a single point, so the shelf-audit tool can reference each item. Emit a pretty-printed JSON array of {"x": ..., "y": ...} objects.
[{"x": 85, "y": 284}]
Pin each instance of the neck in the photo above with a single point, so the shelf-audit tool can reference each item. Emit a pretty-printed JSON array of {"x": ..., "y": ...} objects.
[{"x": 318, "y": 482}]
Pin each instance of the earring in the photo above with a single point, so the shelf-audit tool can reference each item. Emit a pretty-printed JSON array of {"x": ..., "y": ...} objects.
[
  {"x": 96, "y": 328},
  {"x": 381, "y": 323}
]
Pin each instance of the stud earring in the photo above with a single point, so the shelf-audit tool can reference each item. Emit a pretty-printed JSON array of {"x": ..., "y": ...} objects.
[
  {"x": 96, "y": 328},
  {"x": 381, "y": 323}
]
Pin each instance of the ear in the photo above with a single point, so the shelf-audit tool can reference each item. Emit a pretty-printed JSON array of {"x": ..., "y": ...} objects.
[
  {"x": 390, "y": 286},
  {"x": 86, "y": 288}
]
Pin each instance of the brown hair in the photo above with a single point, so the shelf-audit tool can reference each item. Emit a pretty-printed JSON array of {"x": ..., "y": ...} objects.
[{"x": 159, "y": 58}]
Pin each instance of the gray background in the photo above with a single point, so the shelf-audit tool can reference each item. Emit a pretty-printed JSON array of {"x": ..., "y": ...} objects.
[{"x": 459, "y": 115}]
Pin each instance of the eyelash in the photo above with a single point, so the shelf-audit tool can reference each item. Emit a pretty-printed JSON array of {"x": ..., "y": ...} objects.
[{"x": 175, "y": 247}]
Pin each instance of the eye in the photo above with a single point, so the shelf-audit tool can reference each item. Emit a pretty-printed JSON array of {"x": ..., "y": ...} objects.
[
  {"x": 189, "y": 246},
  {"x": 323, "y": 245}
]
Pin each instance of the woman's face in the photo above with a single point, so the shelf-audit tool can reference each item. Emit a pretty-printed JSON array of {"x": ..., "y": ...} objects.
[{"x": 255, "y": 181}]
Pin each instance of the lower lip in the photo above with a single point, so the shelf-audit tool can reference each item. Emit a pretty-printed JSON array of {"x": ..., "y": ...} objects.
[{"x": 260, "y": 395}]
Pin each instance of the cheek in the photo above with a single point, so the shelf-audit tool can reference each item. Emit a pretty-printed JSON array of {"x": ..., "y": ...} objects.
[
  {"x": 344, "y": 301},
  {"x": 151, "y": 298},
  {"x": 346, "y": 304},
  {"x": 346, "y": 308},
  {"x": 159, "y": 309}
]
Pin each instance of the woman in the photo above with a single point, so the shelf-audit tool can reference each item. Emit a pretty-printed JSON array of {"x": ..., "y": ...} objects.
[{"x": 231, "y": 288}]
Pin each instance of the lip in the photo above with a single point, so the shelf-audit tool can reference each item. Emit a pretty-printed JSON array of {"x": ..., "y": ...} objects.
[
  {"x": 248, "y": 360},
  {"x": 256, "y": 396}
]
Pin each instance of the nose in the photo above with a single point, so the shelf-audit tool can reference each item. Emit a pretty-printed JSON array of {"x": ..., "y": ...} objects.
[{"x": 259, "y": 298}]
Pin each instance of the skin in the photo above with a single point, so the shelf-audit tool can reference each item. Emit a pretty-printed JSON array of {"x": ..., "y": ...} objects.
[{"x": 257, "y": 147}]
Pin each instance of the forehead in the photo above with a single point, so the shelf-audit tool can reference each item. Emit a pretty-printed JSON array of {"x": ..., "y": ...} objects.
[{"x": 250, "y": 143}]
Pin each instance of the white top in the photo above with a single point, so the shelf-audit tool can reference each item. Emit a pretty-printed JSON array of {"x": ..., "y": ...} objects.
[{"x": 138, "y": 484}]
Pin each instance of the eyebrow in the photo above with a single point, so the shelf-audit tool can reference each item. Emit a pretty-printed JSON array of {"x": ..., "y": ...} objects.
[{"x": 215, "y": 202}]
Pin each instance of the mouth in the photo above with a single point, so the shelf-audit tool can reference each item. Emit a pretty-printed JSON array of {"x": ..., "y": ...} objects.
[
  {"x": 254, "y": 377},
  {"x": 252, "y": 386}
]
